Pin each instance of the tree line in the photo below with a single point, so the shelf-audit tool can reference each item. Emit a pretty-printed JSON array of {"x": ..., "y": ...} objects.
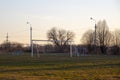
[{"x": 107, "y": 42}]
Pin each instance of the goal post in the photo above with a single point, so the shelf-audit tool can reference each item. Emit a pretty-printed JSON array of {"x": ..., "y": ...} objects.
[{"x": 32, "y": 46}]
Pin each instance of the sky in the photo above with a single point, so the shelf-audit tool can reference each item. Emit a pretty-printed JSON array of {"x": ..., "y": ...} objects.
[{"x": 73, "y": 15}]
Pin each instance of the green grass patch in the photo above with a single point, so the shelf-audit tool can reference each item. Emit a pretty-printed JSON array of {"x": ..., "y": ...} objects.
[{"x": 57, "y": 67}]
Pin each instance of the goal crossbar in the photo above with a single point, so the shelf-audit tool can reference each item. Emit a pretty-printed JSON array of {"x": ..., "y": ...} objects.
[{"x": 50, "y": 40}]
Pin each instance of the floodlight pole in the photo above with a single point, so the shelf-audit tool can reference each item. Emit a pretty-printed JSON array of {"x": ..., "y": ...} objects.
[
  {"x": 32, "y": 49},
  {"x": 31, "y": 45},
  {"x": 94, "y": 34}
]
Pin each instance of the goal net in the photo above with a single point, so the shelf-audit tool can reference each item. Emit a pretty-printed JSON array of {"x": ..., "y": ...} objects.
[{"x": 40, "y": 47}]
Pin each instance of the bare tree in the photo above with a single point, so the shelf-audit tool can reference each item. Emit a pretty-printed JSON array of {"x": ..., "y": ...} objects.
[
  {"x": 117, "y": 38},
  {"x": 60, "y": 37},
  {"x": 87, "y": 39},
  {"x": 115, "y": 42},
  {"x": 103, "y": 35}
]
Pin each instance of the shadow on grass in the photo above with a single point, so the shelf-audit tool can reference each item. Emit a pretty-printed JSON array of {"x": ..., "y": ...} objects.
[
  {"x": 72, "y": 67},
  {"x": 5, "y": 78}
]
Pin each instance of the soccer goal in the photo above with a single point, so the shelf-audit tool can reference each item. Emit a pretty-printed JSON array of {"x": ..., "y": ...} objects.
[{"x": 39, "y": 47}]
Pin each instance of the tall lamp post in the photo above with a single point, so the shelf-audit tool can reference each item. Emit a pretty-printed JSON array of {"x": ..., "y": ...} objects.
[
  {"x": 94, "y": 34},
  {"x": 30, "y": 39}
]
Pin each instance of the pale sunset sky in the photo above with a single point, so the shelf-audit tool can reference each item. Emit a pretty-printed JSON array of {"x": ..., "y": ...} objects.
[{"x": 73, "y": 15}]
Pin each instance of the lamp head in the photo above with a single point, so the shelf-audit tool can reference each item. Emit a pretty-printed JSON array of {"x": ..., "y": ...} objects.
[
  {"x": 27, "y": 22},
  {"x": 91, "y": 18}
]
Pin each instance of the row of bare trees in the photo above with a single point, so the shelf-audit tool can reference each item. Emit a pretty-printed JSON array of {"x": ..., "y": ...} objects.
[
  {"x": 106, "y": 40},
  {"x": 13, "y": 47}
]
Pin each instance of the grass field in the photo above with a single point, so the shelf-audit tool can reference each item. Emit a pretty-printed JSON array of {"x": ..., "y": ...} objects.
[{"x": 55, "y": 67}]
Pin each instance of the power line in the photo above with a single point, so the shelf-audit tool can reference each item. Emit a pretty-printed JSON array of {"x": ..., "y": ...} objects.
[{"x": 7, "y": 37}]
